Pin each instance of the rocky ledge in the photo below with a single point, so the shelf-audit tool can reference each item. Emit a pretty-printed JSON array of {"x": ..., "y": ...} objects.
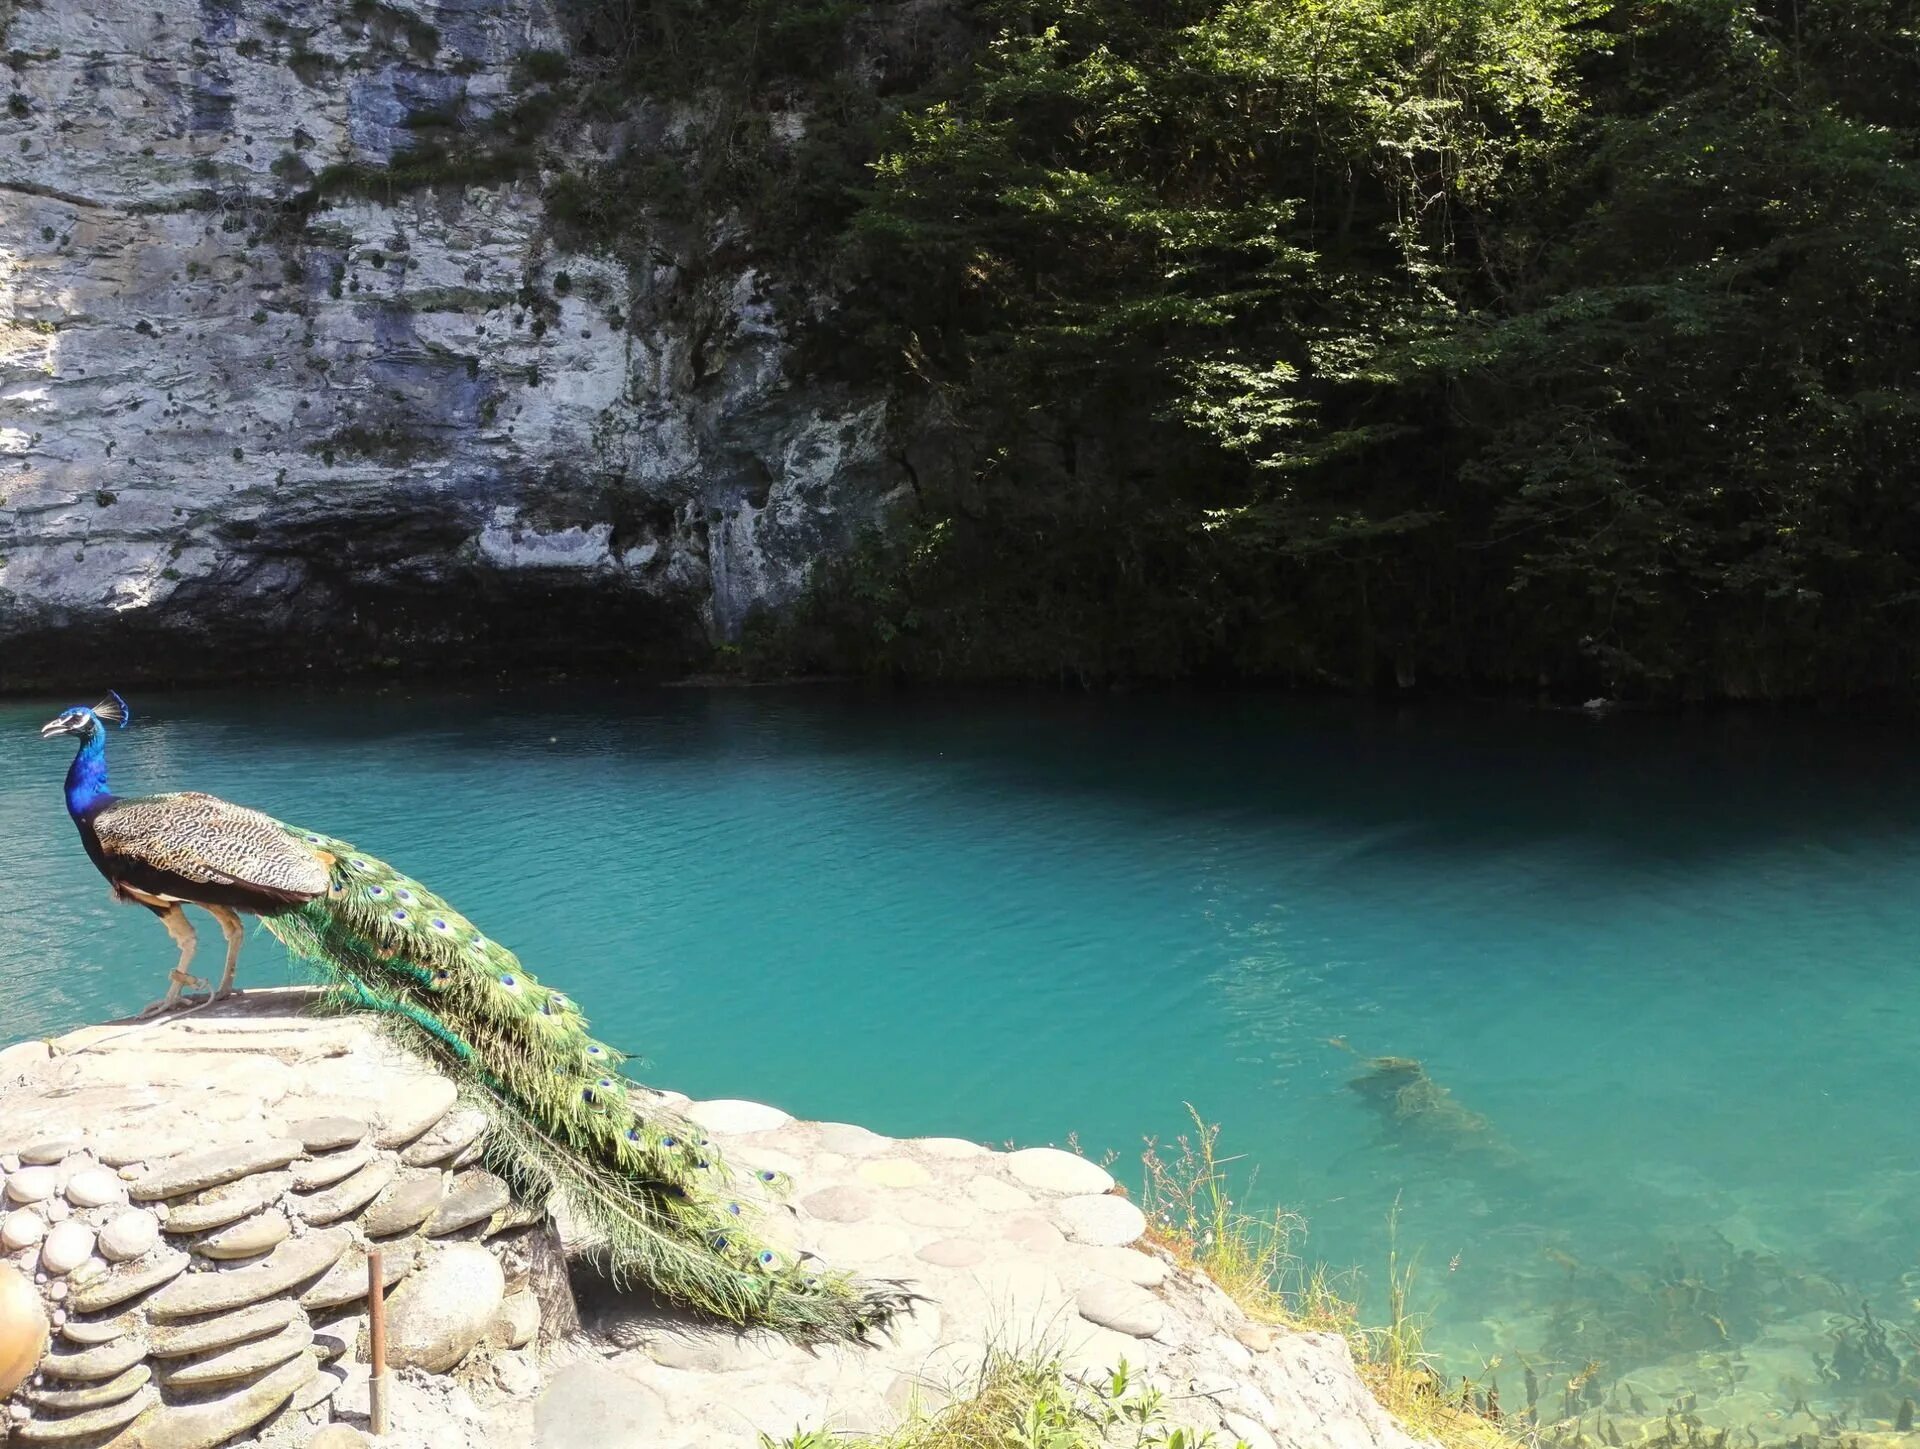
[{"x": 189, "y": 1204}]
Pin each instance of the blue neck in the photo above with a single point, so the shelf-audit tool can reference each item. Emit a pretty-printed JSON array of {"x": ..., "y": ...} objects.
[{"x": 87, "y": 777}]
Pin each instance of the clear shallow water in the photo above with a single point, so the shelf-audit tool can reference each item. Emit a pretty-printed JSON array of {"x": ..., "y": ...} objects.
[{"x": 1665, "y": 969}]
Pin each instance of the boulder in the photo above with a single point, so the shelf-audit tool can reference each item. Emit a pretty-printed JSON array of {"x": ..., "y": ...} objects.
[{"x": 440, "y": 1313}]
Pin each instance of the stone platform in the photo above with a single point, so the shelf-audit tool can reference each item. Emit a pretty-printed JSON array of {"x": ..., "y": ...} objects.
[{"x": 193, "y": 1200}]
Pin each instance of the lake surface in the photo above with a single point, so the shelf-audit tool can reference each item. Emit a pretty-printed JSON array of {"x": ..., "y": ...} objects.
[{"x": 1662, "y": 971}]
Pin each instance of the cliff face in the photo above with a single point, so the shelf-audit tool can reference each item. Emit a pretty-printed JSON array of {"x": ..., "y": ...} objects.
[{"x": 265, "y": 402}]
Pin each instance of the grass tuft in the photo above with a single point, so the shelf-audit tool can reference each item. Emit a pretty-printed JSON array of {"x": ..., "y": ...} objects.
[
  {"x": 1191, "y": 1213},
  {"x": 1029, "y": 1401}
]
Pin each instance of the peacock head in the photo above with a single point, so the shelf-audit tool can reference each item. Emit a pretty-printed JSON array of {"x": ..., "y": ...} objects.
[{"x": 86, "y": 723}]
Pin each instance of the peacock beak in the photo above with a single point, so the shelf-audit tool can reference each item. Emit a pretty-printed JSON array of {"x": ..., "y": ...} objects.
[{"x": 54, "y": 728}]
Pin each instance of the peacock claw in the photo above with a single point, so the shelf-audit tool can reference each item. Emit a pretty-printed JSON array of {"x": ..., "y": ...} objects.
[{"x": 178, "y": 983}]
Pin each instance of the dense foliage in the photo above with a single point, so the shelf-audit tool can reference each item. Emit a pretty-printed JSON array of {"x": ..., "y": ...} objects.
[{"x": 1562, "y": 343}]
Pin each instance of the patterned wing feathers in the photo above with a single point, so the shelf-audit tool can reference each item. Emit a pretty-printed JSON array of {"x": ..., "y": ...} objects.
[{"x": 208, "y": 840}]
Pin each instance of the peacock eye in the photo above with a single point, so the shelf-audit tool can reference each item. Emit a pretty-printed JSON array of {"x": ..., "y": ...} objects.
[
  {"x": 768, "y": 1174},
  {"x": 377, "y": 892},
  {"x": 403, "y": 894},
  {"x": 399, "y": 916},
  {"x": 767, "y": 1260}
]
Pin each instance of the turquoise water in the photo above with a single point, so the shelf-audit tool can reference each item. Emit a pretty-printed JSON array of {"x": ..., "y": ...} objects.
[{"x": 1665, "y": 969}]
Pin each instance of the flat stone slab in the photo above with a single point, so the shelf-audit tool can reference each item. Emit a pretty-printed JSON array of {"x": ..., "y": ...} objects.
[
  {"x": 244, "y": 1361},
  {"x": 895, "y": 1172},
  {"x": 248, "y": 1238},
  {"x": 328, "y": 1134},
  {"x": 452, "y": 1135},
  {"x": 1105, "y": 1220},
  {"x": 843, "y": 1204},
  {"x": 88, "y": 1331},
  {"x": 210, "y": 1334},
  {"x": 225, "y": 1204},
  {"x": 181, "y": 1175},
  {"x": 129, "y": 1280},
  {"x": 850, "y": 1140},
  {"x": 1127, "y": 1264},
  {"x": 997, "y": 1196},
  {"x": 51, "y": 1149},
  {"x": 416, "y": 1110},
  {"x": 932, "y": 1212},
  {"x": 475, "y": 1196},
  {"x": 1048, "y": 1169},
  {"x": 404, "y": 1205},
  {"x": 347, "y": 1198},
  {"x": 107, "y": 1361},
  {"x": 952, "y": 1253},
  {"x": 214, "y": 1421},
  {"x": 293, "y": 1262},
  {"x": 94, "y": 1396},
  {"x": 346, "y": 1281},
  {"x": 88, "y": 1425},
  {"x": 731, "y": 1115},
  {"x": 952, "y": 1148},
  {"x": 326, "y": 1170},
  {"x": 1123, "y": 1307}
]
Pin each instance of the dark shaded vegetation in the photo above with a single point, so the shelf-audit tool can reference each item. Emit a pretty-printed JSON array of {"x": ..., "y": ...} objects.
[{"x": 1562, "y": 344}]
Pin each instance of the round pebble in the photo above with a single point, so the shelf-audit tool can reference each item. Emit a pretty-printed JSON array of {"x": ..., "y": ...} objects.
[
  {"x": 67, "y": 1246},
  {"x": 57, "y": 1292},
  {"x": 129, "y": 1236},
  {"x": 1051, "y": 1170},
  {"x": 57, "y": 1209},
  {"x": 21, "y": 1229},
  {"x": 96, "y": 1187},
  {"x": 32, "y": 1184}
]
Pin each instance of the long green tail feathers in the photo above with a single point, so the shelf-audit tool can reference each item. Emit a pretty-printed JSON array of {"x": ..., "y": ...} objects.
[{"x": 647, "y": 1188}]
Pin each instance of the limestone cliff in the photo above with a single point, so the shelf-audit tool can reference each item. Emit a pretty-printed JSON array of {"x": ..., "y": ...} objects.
[{"x": 263, "y": 389}]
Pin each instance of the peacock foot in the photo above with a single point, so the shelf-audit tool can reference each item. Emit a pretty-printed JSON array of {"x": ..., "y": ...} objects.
[{"x": 178, "y": 982}]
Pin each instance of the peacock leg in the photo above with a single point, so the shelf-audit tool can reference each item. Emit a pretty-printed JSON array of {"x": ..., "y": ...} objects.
[
  {"x": 181, "y": 929},
  {"x": 236, "y": 934}
]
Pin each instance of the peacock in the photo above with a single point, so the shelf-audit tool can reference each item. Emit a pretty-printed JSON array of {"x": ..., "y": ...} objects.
[{"x": 647, "y": 1187}]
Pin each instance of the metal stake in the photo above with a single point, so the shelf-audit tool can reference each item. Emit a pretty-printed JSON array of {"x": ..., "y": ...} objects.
[{"x": 377, "y": 1332}]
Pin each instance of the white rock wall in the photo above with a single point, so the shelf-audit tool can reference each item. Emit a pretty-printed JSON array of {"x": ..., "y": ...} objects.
[{"x": 218, "y": 413}]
